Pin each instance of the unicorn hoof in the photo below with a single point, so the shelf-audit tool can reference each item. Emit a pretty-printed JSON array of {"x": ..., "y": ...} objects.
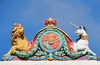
[{"x": 83, "y": 53}]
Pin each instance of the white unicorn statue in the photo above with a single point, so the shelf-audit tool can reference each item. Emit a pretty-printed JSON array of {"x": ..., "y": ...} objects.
[{"x": 82, "y": 42}]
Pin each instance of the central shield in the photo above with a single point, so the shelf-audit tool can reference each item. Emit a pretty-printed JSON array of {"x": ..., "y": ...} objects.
[{"x": 50, "y": 41}]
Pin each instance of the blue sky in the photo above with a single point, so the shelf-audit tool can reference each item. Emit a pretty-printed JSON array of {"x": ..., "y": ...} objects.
[{"x": 31, "y": 13}]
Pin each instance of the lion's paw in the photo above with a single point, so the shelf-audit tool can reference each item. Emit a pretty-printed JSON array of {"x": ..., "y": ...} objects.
[{"x": 6, "y": 55}]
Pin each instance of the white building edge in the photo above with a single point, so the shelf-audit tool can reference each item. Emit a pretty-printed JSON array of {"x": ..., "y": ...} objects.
[{"x": 49, "y": 62}]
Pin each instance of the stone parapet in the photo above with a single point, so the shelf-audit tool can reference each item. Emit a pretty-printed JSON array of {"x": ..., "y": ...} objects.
[{"x": 49, "y": 62}]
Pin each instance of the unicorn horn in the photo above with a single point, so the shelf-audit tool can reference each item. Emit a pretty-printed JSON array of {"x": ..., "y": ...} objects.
[{"x": 74, "y": 25}]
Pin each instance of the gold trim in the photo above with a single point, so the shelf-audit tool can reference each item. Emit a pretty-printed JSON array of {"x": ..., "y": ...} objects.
[
  {"x": 84, "y": 36},
  {"x": 50, "y": 58},
  {"x": 72, "y": 47},
  {"x": 50, "y": 19},
  {"x": 51, "y": 26}
]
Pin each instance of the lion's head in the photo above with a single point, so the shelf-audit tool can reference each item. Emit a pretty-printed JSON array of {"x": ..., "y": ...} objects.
[{"x": 17, "y": 32}]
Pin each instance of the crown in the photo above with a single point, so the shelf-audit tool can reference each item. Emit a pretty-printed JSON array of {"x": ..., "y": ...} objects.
[
  {"x": 50, "y": 21},
  {"x": 17, "y": 24}
]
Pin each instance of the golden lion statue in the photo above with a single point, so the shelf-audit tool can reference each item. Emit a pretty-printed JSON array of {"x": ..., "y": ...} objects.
[{"x": 19, "y": 41}]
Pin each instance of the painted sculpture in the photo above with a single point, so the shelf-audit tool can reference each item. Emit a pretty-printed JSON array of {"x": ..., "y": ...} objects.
[
  {"x": 50, "y": 43},
  {"x": 19, "y": 41},
  {"x": 82, "y": 42}
]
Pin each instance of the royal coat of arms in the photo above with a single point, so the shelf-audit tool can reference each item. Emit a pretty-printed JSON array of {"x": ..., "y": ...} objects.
[{"x": 50, "y": 43}]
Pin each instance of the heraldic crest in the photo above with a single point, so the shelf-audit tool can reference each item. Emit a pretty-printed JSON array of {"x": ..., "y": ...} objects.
[{"x": 50, "y": 43}]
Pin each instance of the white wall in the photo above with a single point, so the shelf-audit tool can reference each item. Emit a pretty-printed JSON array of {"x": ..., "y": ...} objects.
[{"x": 49, "y": 63}]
